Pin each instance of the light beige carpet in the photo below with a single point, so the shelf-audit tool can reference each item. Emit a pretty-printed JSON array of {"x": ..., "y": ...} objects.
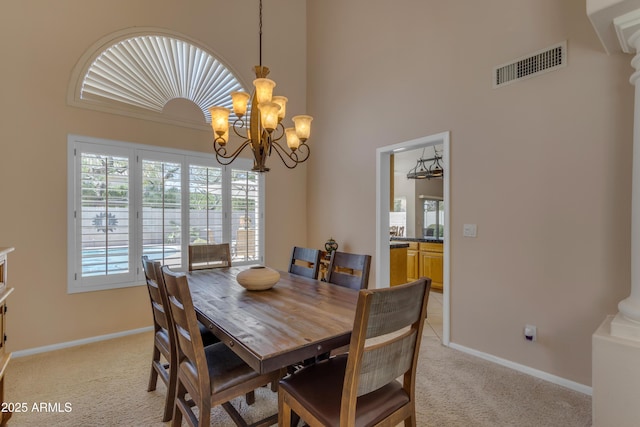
[{"x": 104, "y": 384}]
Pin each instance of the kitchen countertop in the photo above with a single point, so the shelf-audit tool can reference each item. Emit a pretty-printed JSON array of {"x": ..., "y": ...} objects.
[
  {"x": 396, "y": 245},
  {"x": 415, "y": 239}
]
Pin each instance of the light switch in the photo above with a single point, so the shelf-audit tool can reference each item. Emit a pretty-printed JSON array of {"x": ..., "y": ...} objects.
[{"x": 470, "y": 230}]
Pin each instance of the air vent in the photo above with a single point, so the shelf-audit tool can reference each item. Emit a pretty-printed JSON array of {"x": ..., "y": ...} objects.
[{"x": 543, "y": 61}]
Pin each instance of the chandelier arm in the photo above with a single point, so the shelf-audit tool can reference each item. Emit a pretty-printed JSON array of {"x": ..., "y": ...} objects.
[
  {"x": 273, "y": 139},
  {"x": 279, "y": 128},
  {"x": 239, "y": 124},
  {"x": 293, "y": 155},
  {"x": 284, "y": 155},
  {"x": 221, "y": 151}
]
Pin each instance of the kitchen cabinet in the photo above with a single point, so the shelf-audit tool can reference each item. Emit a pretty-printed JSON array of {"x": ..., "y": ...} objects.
[
  {"x": 398, "y": 259},
  {"x": 431, "y": 263},
  {"x": 425, "y": 259},
  {"x": 413, "y": 262}
]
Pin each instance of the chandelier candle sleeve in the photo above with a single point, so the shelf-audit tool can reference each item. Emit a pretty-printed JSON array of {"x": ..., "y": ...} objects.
[
  {"x": 269, "y": 115},
  {"x": 303, "y": 126},
  {"x": 292, "y": 138},
  {"x": 219, "y": 120},
  {"x": 264, "y": 89},
  {"x": 240, "y": 101},
  {"x": 282, "y": 102}
]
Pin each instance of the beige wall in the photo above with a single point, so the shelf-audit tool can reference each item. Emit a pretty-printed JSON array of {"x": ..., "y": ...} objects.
[
  {"x": 41, "y": 43},
  {"x": 541, "y": 166},
  {"x": 552, "y": 152}
]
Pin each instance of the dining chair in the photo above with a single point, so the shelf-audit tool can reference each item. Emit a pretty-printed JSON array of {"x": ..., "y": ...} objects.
[
  {"x": 211, "y": 375},
  {"x": 349, "y": 270},
  {"x": 305, "y": 262},
  {"x": 164, "y": 339},
  {"x": 361, "y": 388},
  {"x": 202, "y": 256}
]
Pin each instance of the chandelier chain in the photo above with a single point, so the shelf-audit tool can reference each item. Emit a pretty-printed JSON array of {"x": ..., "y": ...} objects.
[{"x": 260, "y": 34}]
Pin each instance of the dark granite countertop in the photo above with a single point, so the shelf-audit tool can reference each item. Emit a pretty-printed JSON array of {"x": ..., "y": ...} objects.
[
  {"x": 414, "y": 239},
  {"x": 396, "y": 245}
]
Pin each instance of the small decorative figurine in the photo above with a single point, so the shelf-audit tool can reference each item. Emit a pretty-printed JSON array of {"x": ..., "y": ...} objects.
[{"x": 330, "y": 246}]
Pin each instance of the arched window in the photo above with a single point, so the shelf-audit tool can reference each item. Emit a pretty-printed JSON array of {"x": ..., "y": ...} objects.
[{"x": 137, "y": 72}]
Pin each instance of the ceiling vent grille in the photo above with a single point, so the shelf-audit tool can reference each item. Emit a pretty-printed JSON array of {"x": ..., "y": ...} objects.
[{"x": 540, "y": 62}]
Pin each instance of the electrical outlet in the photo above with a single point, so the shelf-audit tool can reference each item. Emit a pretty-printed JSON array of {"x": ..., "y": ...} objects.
[{"x": 530, "y": 333}]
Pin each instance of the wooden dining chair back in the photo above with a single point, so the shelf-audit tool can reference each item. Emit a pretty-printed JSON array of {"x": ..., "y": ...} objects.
[
  {"x": 349, "y": 270},
  {"x": 305, "y": 262},
  {"x": 163, "y": 339},
  {"x": 209, "y": 256},
  {"x": 211, "y": 375},
  {"x": 361, "y": 388}
]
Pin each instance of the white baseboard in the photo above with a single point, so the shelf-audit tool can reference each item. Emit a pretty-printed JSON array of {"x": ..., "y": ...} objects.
[
  {"x": 68, "y": 344},
  {"x": 581, "y": 388}
]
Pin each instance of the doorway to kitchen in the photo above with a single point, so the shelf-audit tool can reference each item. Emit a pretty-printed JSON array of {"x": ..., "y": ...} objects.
[{"x": 383, "y": 195}]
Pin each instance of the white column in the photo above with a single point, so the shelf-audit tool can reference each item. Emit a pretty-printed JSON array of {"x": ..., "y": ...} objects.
[
  {"x": 616, "y": 343},
  {"x": 627, "y": 323}
]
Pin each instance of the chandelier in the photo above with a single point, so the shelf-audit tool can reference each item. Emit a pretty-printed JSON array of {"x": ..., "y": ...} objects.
[
  {"x": 422, "y": 171},
  {"x": 262, "y": 130}
]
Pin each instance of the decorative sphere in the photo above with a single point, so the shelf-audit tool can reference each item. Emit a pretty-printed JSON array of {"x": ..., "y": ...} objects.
[{"x": 258, "y": 278}]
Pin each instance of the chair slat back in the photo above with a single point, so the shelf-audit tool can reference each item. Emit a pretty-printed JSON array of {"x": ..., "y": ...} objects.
[
  {"x": 209, "y": 256},
  {"x": 305, "y": 262},
  {"x": 190, "y": 348},
  {"x": 349, "y": 270},
  {"x": 158, "y": 300},
  {"x": 386, "y": 338}
]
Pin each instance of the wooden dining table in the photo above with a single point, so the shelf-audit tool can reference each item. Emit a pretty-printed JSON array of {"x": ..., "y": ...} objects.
[{"x": 298, "y": 319}]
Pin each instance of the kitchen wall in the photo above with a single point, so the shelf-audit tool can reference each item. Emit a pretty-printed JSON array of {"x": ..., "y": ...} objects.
[
  {"x": 542, "y": 166},
  {"x": 41, "y": 41},
  {"x": 412, "y": 190}
]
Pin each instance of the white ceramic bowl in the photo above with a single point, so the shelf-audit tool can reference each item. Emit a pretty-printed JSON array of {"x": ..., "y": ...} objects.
[{"x": 258, "y": 278}]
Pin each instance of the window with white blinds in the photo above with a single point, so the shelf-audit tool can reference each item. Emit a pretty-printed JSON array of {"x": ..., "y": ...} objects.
[
  {"x": 129, "y": 200},
  {"x": 162, "y": 210},
  {"x": 206, "y": 214}
]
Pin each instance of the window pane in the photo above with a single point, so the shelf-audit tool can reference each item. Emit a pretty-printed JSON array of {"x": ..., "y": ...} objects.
[
  {"x": 434, "y": 219},
  {"x": 104, "y": 214},
  {"x": 205, "y": 205},
  {"x": 161, "y": 212},
  {"x": 245, "y": 219}
]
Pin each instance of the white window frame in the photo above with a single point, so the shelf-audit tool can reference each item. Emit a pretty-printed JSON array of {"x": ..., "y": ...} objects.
[{"x": 136, "y": 152}]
